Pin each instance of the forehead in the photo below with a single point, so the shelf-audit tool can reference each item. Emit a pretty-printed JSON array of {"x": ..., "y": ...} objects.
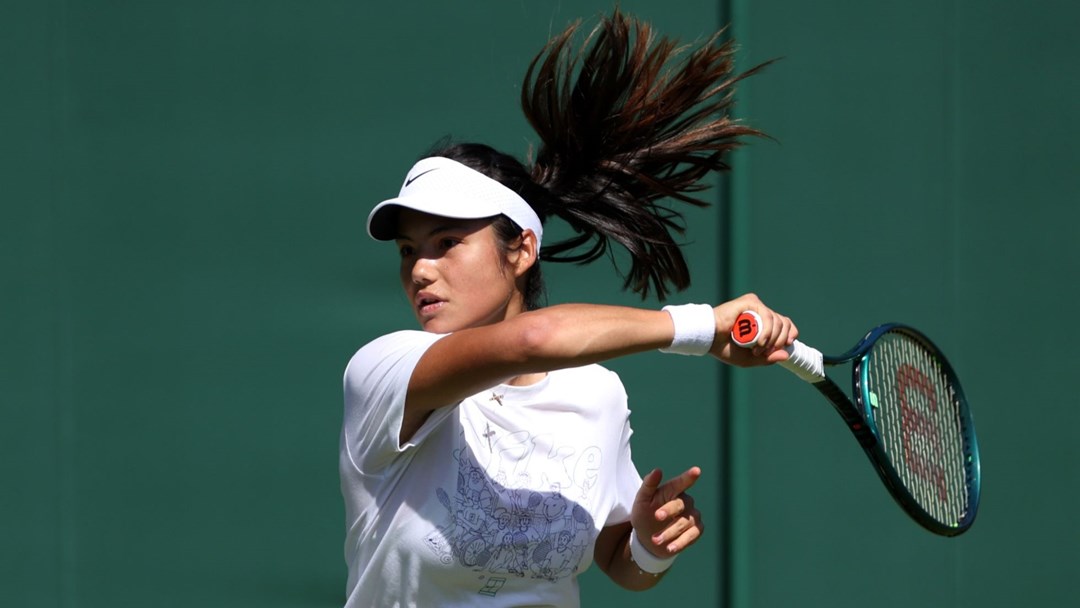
[{"x": 414, "y": 225}]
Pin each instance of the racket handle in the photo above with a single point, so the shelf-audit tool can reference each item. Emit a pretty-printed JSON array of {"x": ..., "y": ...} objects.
[{"x": 804, "y": 361}]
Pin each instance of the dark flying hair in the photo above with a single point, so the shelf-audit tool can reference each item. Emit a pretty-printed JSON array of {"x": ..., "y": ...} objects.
[{"x": 627, "y": 120}]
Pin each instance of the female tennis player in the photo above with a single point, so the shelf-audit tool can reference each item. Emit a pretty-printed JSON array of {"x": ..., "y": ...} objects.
[{"x": 485, "y": 460}]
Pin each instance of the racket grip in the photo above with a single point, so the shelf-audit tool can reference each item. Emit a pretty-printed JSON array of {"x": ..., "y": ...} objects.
[{"x": 804, "y": 361}]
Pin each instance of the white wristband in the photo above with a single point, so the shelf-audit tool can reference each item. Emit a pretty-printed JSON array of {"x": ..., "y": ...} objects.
[
  {"x": 645, "y": 560},
  {"x": 695, "y": 328}
]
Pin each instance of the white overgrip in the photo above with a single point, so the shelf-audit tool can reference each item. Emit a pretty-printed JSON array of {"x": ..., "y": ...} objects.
[{"x": 805, "y": 362}]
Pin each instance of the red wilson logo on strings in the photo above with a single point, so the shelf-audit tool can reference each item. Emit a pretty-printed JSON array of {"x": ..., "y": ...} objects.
[{"x": 921, "y": 441}]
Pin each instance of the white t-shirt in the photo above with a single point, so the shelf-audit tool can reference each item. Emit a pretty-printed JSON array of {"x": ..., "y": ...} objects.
[{"x": 495, "y": 501}]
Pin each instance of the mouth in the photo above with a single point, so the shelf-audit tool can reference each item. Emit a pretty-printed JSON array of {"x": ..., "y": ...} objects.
[{"x": 427, "y": 304}]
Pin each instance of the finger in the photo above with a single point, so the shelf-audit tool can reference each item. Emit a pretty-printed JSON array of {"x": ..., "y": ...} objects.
[
  {"x": 767, "y": 331},
  {"x": 785, "y": 334},
  {"x": 783, "y": 326},
  {"x": 681, "y": 534},
  {"x": 736, "y": 355},
  {"x": 780, "y": 351},
  {"x": 670, "y": 509},
  {"x": 675, "y": 528},
  {"x": 681, "y": 504},
  {"x": 676, "y": 486},
  {"x": 649, "y": 484},
  {"x": 776, "y": 331},
  {"x": 777, "y": 356},
  {"x": 687, "y": 538}
]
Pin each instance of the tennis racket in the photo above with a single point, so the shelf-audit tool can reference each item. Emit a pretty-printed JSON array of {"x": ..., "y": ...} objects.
[{"x": 909, "y": 415}]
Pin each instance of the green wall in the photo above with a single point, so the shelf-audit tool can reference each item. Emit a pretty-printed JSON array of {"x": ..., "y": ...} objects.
[
  {"x": 925, "y": 172},
  {"x": 184, "y": 273}
]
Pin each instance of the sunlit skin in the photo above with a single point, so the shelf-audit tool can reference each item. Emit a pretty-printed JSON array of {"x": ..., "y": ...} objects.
[{"x": 454, "y": 274}]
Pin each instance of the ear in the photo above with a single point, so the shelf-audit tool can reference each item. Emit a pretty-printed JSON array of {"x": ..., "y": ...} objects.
[{"x": 523, "y": 258}]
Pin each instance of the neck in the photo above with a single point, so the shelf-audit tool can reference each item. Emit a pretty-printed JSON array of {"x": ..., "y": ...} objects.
[{"x": 526, "y": 379}]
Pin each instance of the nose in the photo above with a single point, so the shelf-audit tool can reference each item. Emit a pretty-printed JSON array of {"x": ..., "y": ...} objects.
[{"x": 423, "y": 271}]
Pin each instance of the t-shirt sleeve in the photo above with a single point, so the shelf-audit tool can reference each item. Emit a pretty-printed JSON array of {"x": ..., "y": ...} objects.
[{"x": 375, "y": 385}]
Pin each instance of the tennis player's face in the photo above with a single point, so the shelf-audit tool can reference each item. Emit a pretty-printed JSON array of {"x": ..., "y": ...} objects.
[{"x": 454, "y": 273}]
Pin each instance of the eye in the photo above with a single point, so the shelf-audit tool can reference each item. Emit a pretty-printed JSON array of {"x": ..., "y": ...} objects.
[
  {"x": 405, "y": 250},
  {"x": 447, "y": 242}
]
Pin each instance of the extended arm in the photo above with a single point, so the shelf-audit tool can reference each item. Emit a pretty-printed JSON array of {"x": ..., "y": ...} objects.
[
  {"x": 470, "y": 360},
  {"x": 569, "y": 335}
]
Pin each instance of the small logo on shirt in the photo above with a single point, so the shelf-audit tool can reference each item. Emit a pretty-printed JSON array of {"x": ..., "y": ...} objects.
[{"x": 492, "y": 586}]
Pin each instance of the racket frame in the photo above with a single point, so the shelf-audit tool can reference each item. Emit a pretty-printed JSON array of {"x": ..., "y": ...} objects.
[{"x": 861, "y": 421}]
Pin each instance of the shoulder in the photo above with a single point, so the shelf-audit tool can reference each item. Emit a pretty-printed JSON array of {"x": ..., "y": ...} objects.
[
  {"x": 594, "y": 377},
  {"x": 399, "y": 340},
  {"x": 389, "y": 350}
]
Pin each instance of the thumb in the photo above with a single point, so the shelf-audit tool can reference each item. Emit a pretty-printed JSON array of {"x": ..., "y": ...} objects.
[
  {"x": 777, "y": 356},
  {"x": 649, "y": 485}
]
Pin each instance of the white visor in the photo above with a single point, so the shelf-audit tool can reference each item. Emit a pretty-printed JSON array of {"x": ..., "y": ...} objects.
[{"x": 447, "y": 188}]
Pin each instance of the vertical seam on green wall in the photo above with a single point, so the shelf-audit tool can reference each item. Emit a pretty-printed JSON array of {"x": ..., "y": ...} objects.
[
  {"x": 726, "y": 555},
  {"x": 735, "y": 486}
]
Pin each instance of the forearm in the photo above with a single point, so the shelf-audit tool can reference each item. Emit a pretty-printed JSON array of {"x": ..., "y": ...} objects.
[{"x": 570, "y": 335}]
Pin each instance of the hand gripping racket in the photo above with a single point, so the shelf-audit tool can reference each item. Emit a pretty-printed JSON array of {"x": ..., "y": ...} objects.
[{"x": 909, "y": 415}]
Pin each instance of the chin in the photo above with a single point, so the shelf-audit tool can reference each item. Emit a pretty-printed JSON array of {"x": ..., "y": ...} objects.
[{"x": 437, "y": 326}]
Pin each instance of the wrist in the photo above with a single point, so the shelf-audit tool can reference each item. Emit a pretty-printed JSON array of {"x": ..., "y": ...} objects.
[
  {"x": 695, "y": 329},
  {"x": 645, "y": 560}
]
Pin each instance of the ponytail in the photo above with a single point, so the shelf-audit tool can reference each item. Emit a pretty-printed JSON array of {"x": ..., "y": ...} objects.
[{"x": 621, "y": 128}]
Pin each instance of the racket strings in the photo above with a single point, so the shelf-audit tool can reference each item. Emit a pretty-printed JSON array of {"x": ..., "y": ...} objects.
[{"x": 918, "y": 413}]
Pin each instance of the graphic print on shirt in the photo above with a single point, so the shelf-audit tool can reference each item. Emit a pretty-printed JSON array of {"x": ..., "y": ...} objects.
[{"x": 500, "y": 521}]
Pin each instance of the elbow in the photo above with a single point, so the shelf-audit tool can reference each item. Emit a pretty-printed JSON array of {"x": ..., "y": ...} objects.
[
  {"x": 538, "y": 338},
  {"x": 548, "y": 340}
]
